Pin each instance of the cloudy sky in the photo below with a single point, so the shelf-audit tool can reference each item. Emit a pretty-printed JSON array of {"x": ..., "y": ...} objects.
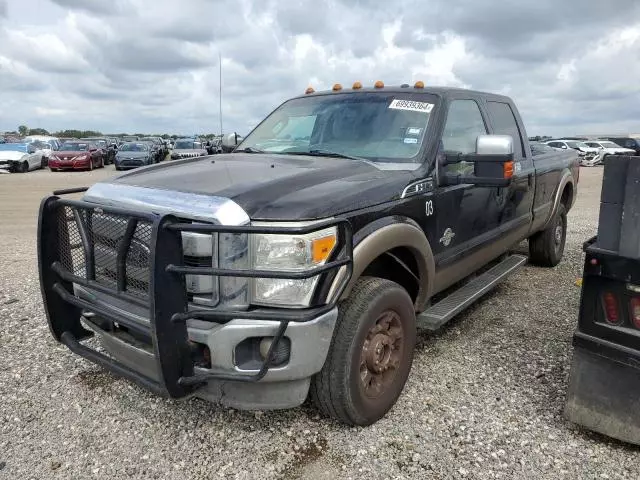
[{"x": 572, "y": 66}]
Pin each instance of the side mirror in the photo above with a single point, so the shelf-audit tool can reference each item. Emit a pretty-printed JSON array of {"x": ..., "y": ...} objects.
[
  {"x": 230, "y": 140},
  {"x": 93, "y": 149},
  {"x": 492, "y": 160}
]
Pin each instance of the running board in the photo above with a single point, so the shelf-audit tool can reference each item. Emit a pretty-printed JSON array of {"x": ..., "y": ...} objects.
[{"x": 437, "y": 315}]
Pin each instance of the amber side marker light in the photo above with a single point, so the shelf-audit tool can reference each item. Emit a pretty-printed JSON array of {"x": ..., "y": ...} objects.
[
  {"x": 356, "y": 86},
  {"x": 379, "y": 84},
  {"x": 507, "y": 169},
  {"x": 337, "y": 87},
  {"x": 309, "y": 90},
  {"x": 419, "y": 84},
  {"x": 321, "y": 248}
]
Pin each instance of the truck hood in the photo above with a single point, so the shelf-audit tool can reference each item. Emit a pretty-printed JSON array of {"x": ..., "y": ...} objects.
[{"x": 271, "y": 187}]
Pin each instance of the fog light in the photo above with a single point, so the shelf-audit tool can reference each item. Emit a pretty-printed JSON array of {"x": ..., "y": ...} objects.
[{"x": 280, "y": 354}]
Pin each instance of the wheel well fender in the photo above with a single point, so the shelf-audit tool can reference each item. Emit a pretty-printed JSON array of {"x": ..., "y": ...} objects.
[
  {"x": 565, "y": 194},
  {"x": 388, "y": 238}
]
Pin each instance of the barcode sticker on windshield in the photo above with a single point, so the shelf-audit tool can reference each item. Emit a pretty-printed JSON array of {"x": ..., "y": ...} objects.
[{"x": 411, "y": 105}]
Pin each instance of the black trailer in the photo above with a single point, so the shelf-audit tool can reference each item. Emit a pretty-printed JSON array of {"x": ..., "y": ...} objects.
[{"x": 604, "y": 384}]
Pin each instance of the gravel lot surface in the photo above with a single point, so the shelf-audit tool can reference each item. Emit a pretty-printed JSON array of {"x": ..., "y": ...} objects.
[{"x": 484, "y": 399}]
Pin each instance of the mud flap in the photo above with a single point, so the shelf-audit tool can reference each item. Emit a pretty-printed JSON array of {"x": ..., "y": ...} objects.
[{"x": 604, "y": 396}]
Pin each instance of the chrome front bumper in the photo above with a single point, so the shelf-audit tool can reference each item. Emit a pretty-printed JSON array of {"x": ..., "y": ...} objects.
[{"x": 283, "y": 386}]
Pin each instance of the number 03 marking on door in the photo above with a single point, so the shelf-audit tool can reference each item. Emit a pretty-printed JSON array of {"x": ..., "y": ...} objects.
[{"x": 428, "y": 208}]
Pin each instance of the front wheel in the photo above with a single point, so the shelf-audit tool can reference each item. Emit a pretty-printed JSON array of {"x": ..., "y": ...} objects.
[
  {"x": 370, "y": 354},
  {"x": 546, "y": 248},
  {"x": 23, "y": 167}
]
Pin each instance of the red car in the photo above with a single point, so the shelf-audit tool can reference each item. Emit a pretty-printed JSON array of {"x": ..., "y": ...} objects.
[{"x": 77, "y": 156}]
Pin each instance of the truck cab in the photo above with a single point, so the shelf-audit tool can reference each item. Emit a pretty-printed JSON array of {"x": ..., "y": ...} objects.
[{"x": 304, "y": 262}]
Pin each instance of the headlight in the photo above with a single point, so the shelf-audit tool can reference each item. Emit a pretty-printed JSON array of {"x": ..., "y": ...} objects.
[
  {"x": 81, "y": 157},
  {"x": 289, "y": 252}
]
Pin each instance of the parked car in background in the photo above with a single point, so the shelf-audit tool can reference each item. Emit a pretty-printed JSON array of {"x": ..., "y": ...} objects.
[
  {"x": 588, "y": 156},
  {"x": 155, "y": 149},
  {"x": 54, "y": 142},
  {"x": 162, "y": 149},
  {"x": 188, "y": 147},
  {"x": 134, "y": 154},
  {"x": 21, "y": 157},
  {"x": 80, "y": 155},
  {"x": 213, "y": 146},
  {"x": 607, "y": 147},
  {"x": 108, "y": 145},
  {"x": 627, "y": 142}
]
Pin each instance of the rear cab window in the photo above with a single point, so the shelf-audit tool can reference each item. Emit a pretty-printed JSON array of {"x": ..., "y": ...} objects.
[{"x": 504, "y": 123}]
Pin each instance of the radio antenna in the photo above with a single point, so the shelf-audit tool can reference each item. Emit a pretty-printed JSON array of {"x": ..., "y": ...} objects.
[{"x": 220, "y": 95}]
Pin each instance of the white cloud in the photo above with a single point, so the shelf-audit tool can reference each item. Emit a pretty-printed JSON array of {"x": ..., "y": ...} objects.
[{"x": 142, "y": 65}]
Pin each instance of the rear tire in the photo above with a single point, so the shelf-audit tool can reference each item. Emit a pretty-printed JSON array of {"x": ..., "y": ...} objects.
[
  {"x": 370, "y": 354},
  {"x": 547, "y": 247}
]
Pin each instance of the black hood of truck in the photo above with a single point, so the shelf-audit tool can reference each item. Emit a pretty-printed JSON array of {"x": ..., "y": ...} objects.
[{"x": 278, "y": 187}]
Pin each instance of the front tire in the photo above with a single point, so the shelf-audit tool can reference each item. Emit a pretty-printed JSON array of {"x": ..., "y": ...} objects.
[
  {"x": 546, "y": 248},
  {"x": 23, "y": 167},
  {"x": 370, "y": 354}
]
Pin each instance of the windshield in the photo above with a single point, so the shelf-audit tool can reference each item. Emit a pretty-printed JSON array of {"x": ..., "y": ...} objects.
[
  {"x": 609, "y": 145},
  {"x": 577, "y": 145},
  {"x": 379, "y": 126},
  {"x": 74, "y": 147},
  {"x": 186, "y": 144},
  {"x": 133, "y": 147},
  {"x": 16, "y": 147}
]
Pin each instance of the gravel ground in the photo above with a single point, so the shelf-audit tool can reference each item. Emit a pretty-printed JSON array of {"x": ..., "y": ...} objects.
[{"x": 484, "y": 399}]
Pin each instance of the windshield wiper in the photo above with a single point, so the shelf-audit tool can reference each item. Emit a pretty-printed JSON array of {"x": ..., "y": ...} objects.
[
  {"x": 249, "y": 150},
  {"x": 316, "y": 152}
]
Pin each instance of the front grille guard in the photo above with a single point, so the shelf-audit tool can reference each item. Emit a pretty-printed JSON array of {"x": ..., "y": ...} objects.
[{"x": 167, "y": 296}]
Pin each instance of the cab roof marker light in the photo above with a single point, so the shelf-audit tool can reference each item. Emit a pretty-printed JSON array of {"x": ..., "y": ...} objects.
[
  {"x": 356, "y": 86},
  {"x": 337, "y": 87},
  {"x": 309, "y": 90},
  {"x": 379, "y": 84},
  {"x": 419, "y": 84}
]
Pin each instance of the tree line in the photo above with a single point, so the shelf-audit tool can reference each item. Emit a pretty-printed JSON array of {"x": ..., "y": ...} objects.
[{"x": 24, "y": 131}]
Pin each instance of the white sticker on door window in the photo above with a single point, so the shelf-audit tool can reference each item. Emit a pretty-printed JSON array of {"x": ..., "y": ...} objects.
[
  {"x": 411, "y": 105},
  {"x": 410, "y": 140},
  {"x": 413, "y": 131}
]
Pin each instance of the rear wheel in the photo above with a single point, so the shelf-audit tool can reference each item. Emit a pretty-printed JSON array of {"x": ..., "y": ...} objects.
[
  {"x": 547, "y": 247},
  {"x": 370, "y": 355}
]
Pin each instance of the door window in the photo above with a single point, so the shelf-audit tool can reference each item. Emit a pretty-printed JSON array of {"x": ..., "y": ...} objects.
[
  {"x": 504, "y": 123},
  {"x": 464, "y": 124}
]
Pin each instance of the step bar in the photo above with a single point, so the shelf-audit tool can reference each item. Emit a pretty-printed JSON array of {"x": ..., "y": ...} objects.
[{"x": 437, "y": 315}]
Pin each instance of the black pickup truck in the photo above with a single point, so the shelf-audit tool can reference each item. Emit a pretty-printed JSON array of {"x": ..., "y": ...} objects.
[{"x": 303, "y": 263}]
